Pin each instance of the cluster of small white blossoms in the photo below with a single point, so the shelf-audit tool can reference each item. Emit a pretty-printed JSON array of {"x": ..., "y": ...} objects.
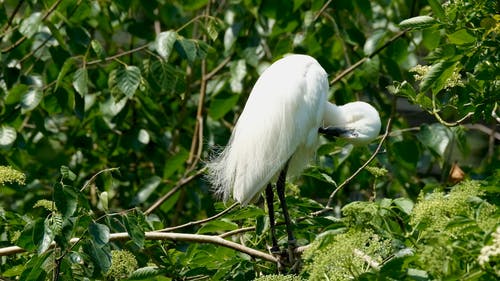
[
  {"x": 420, "y": 71},
  {"x": 490, "y": 251}
]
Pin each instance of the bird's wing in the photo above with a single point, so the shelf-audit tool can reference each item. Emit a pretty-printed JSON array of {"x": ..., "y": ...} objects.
[{"x": 280, "y": 119}]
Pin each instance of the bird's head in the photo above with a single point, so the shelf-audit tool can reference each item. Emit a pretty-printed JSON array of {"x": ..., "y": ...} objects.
[{"x": 356, "y": 122}]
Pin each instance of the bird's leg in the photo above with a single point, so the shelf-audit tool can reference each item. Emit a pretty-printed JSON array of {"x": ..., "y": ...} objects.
[
  {"x": 270, "y": 208},
  {"x": 280, "y": 186}
]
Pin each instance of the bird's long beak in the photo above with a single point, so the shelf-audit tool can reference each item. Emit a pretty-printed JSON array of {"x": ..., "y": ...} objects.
[{"x": 337, "y": 132}]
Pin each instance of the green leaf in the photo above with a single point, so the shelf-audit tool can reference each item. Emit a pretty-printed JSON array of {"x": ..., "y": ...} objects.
[
  {"x": 80, "y": 81},
  {"x": 99, "y": 233},
  {"x": 419, "y": 22},
  {"x": 66, "y": 200},
  {"x": 68, "y": 64},
  {"x": 436, "y": 137},
  {"x": 34, "y": 269},
  {"x": 31, "y": 99},
  {"x": 8, "y": 136},
  {"x": 98, "y": 49},
  {"x": 134, "y": 229},
  {"x": 217, "y": 226},
  {"x": 145, "y": 273},
  {"x": 128, "y": 79},
  {"x": 437, "y": 9},
  {"x": 165, "y": 43},
  {"x": 461, "y": 37},
  {"x": 191, "y": 49},
  {"x": 220, "y": 106},
  {"x": 146, "y": 190},
  {"x": 175, "y": 163},
  {"x": 30, "y": 25},
  {"x": 405, "y": 204},
  {"x": 436, "y": 76},
  {"x": 101, "y": 255},
  {"x": 66, "y": 173},
  {"x": 48, "y": 236},
  {"x": 16, "y": 93}
]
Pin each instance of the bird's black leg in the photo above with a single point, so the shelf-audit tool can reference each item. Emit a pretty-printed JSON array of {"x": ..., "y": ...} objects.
[
  {"x": 270, "y": 208},
  {"x": 280, "y": 186},
  {"x": 335, "y": 132}
]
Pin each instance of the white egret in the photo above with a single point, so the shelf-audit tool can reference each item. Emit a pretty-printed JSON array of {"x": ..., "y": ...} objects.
[{"x": 278, "y": 132}]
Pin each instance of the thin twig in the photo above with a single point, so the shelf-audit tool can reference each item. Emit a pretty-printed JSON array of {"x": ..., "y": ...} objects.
[
  {"x": 118, "y": 55},
  {"x": 361, "y": 61},
  {"x": 87, "y": 183},
  {"x": 328, "y": 207},
  {"x": 192, "y": 223},
  {"x": 178, "y": 186}
]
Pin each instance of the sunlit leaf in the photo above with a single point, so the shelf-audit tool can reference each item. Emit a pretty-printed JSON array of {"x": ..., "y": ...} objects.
[
  {"x": 128, "y": 79},
  {"x": 437, "y": 9},
  {"x": 461, "y": 37},
  {"x": 439, "y": 72},
  {"x": 68, "y": 64},
  {"x": 146, "y": 190},
  {"x": 436, "y": 137},
  {"x": 164, "y": 43},
  {"x": 217, "y": 226},
  {"x": 418, "y": 22},
  {"x": 80, "y": 81},
  {"x": 145, "y": 273},
  {"x": 30, "y": 25},
  {"x": 8, "y": 136},
  {"x": 98, "y": 49}
]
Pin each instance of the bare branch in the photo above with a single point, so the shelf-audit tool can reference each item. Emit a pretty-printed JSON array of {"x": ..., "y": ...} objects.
[{"x": 154, "y": 235}]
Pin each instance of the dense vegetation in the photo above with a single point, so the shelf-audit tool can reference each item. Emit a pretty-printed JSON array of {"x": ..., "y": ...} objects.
[{"x": 109, "y": 109}]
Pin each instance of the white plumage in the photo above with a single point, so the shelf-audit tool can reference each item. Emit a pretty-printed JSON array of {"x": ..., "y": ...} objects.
[{"x": 280, "y": 123}]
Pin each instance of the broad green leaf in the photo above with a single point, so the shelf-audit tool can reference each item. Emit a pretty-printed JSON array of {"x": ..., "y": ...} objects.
[
  {"x": 128, "y": 79},
  {"x": 98, "y": 49},
  {"x": 165, "y": 43},
  {"x": 34, "y": 269},
  {"x": 16, "y": 93},
  {"x": 211, "y": 29},
  {"x": 419, "y": 22},
  {"x": 405, "y": 204},
  {"x": 175, "y": 163},
  {"x": 437, "y": 9},
  {"x": 8, "y": 136},
  {"x": 68, "y": 64},
  {"x": 220, "y": 106},
  {"x": 146, "y": 190},
  {"x": 66, "y": 173},
  {"x": 217, "y": 226},
  {"x": 100, "y": 254},
  {"x": 436, "y": 77},
  {"x": 461, "y": 37},
  {"x": 48, "y": 236},
  {"x": 134, "y": 229},
  {"x": 145, "y": 273},
  {"x": 31, "y": 99},
  {"x": 99, "y": 233},
  {"x": 436, "y": 137},
  {"x": 66, "y": 200},
  {"x": 80, "y": 81},
  {"x": 30, "y": 25},
  {"x": 191, "y": 49}
]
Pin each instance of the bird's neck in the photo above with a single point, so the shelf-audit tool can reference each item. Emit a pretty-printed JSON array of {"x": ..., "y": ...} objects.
[{"x": 333, "y": 115}]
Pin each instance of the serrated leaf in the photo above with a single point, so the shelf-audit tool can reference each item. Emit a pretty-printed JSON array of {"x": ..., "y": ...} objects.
[
  {"x": 134, "y": 229},
  {"x": 66, "y": 173},
  {"x": 144, "y": 273},
  {"x": 191, "y": 49},
  {"x": 461, "y": 37},
  {"x": 437, "y": 73},
  {"x": 128, "y": 79},
  {"x": 29, "y": 26},
  {"x": 68, "y": 64},
  {"x": 165, "y": 43},
  {"x": 31, "y": 99},
  {"x": 419, "y": 22},
  {"x": 98, "y": 49},
  {"x": 8, "y": 136},
  {"x": 404, "y": 204},
  {"x": 66, "y": 200},
  {"x": 211, "y": 30},
  {"x": 437, "y": 9},
  {"x": 80, "y": 81},
  {"x": 99, "y": 233}
]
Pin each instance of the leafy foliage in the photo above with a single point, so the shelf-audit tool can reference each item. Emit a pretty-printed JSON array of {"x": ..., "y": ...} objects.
[{"x": 108, "y": 110}]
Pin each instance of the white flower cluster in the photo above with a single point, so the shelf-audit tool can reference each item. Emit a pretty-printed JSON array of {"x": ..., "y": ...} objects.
[{"x": 489, "y": 252}]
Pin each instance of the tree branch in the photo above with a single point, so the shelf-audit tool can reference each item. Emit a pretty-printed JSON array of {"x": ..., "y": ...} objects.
[{"x": 155, "y": 235}]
